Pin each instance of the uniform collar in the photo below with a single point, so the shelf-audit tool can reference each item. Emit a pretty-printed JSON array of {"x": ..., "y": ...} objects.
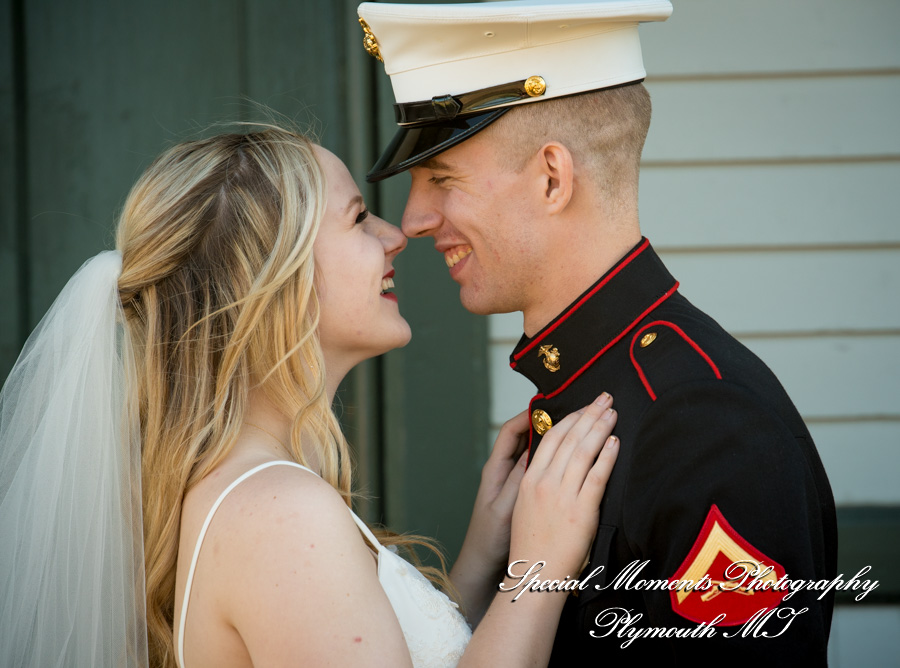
[{"x": 595, "y": 321}]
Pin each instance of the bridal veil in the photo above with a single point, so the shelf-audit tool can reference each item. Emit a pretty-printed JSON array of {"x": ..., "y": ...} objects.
[{"x": 71, "y": 555}]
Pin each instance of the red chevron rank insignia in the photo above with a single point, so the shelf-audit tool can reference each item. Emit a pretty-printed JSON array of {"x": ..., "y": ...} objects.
[{"x": 723, "y": 573}]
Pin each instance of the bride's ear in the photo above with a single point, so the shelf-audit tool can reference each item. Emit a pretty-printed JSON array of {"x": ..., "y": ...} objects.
[{"x": 557, "y": 171}]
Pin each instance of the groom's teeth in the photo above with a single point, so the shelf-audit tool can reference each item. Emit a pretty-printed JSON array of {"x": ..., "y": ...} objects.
[
  {"x": 453, "y": 256},
  {"x": 386, "y": 284}
]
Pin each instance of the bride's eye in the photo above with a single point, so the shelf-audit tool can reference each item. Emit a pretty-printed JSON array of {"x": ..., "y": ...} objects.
[{"x": 362, "y": 215}]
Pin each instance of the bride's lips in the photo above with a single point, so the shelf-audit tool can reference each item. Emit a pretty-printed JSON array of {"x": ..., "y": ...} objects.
[{"x": 387, "y": 283}]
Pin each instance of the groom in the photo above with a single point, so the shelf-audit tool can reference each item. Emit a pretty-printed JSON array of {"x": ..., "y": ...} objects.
[{"x": 522, "y": 126}]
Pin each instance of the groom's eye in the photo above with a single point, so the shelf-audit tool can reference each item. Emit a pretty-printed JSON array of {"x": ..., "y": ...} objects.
[{"x": 438, "y": 180}]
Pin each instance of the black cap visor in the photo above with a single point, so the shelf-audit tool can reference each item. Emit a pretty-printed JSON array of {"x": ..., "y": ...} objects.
[{"x": 415, "y": 144}]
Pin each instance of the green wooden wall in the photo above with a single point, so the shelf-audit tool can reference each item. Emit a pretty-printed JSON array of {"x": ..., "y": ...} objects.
[{"x": 91, "y": 91}]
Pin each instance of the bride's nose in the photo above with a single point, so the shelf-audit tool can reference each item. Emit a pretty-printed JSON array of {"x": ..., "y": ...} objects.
[{"x": 391, "y": 237}]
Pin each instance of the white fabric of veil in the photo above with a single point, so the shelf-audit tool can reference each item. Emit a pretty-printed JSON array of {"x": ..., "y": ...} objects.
[{"x": 71, "y": 555}]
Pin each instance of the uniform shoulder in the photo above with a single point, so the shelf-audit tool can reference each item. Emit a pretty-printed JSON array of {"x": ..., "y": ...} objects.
[
  {"x": 678, "y": 344},
  {"x": 670, "y": 349}
]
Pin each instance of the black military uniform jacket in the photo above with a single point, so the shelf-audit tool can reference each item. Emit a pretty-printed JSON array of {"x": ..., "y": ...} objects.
[{"x": 707, "y": 432}]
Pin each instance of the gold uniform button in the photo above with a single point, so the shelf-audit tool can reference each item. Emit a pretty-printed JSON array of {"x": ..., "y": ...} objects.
[
  {"x": 541, "y": 422},
  {"x": 647, "y": 339},
  {"x": 535, "y": 86}
]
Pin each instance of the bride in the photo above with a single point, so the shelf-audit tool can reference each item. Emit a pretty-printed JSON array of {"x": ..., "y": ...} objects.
[{"x": 167, "y": 445}]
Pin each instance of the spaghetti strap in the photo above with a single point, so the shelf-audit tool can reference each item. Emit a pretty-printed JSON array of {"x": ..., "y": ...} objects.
[
  {"x": 212, "y": 512},
  {"x": 366, "y": 531}
]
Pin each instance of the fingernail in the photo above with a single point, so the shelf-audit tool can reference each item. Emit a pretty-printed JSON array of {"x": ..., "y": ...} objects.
[
  {"x": 603, "y": 399},
  {"x": 612, "y": 442},
  {"x": 609, "y": 414}
]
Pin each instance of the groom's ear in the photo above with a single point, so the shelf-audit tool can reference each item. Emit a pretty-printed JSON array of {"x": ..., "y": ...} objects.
[{"x": 557, "y": 176}]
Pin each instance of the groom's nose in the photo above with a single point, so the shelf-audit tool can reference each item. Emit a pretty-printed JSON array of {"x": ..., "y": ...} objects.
[{"x": 421, "y": 217}]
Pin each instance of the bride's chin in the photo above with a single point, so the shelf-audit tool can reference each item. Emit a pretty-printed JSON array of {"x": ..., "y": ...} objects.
[
  {"x": 401, "y": 334},
  {"x": 370, "y": 350},
  {"x": 407, "y": 335},
  {"x": 403, "y": 337}
]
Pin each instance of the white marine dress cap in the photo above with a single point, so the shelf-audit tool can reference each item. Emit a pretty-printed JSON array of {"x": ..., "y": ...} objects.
[{"x": 456, "y": 68}]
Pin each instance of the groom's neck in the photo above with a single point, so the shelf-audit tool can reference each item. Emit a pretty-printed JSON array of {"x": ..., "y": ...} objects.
[{"x": 584, "y": 260}]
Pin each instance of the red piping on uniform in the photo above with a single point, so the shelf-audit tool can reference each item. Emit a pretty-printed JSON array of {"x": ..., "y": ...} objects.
[
  {"x": 609, "y": 345},
  {"x": 641, "y": 372},
  {"x": 637, "y": 251},
  {"x": 684, "y": 336}
]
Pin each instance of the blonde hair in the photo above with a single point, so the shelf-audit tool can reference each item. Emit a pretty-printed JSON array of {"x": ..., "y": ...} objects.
[
  {"x": 605, "y": 130},
  {"x": 218, "y": 289}
]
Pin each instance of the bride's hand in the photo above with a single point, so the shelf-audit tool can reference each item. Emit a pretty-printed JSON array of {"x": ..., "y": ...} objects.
[
  {"x": 483, "y": 558},
  {"x": 554, "y": 520},
  {"x": 496, "y": 498},
  {"x": 558, "y": 505}
]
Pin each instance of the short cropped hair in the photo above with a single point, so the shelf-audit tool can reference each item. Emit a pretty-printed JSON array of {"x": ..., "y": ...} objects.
[{"x": 604, "y": 129}]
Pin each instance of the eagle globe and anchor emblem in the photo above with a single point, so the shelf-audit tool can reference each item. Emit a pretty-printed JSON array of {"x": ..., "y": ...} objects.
[
  {"x": 551, "y": 357},
  {"x": 369, "y": 42}
]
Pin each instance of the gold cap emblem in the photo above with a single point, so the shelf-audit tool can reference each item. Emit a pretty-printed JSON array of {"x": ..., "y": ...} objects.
[
  {"x": 647, "y": 339},
  {"x": 535, "y": 86},
  {"x": 369, "y": 42},
  {"x": 541, "y": 422},
  {"x": 551, "y": 357}
]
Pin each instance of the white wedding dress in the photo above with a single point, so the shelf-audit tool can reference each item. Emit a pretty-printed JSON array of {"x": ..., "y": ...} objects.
[{"x": 435, "y": 631}]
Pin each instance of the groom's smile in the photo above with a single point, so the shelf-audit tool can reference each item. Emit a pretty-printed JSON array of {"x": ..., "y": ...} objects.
[
  {"x": 476, "y": 209},
  {"x": 456, "y": 254}
]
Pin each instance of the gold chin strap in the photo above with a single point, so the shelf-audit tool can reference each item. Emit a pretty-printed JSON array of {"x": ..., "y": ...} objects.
[{"x": 448, "y": 107}]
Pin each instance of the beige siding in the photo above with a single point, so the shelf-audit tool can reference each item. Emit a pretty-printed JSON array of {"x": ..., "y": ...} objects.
[
  {"x": 789, "y": 204},
  {"x": 868, "y": 474},
  {"x": 782, "y": 291},
  {"x": 733, "y": 37},
  {"x": 822, "y": 118}
]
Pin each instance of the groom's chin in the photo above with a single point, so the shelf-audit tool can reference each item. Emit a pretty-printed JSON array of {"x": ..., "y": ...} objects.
[
  {"x": 472, "y": 304},
  {"x": 480, "y": 304}
]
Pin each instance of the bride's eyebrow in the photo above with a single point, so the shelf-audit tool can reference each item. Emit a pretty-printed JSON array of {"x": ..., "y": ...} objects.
[{"x": 357, "y": 199}]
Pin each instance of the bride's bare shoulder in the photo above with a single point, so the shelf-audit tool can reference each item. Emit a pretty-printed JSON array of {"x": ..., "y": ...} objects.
[
  {"x": 292, "y": 573},
  {"x": 277, "y": 505}
]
